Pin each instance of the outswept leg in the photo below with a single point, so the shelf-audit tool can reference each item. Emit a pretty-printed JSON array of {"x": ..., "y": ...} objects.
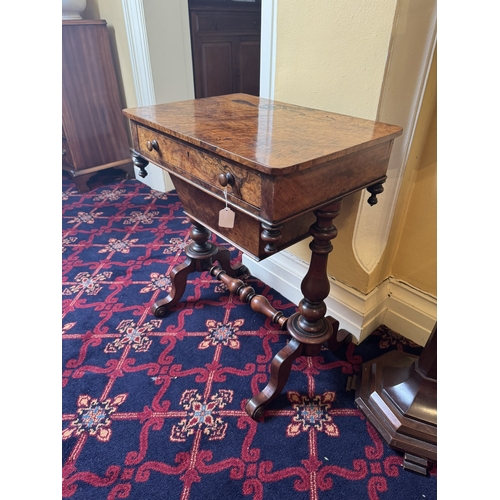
[
  {"x": 280, "y": 371},
  {"x": 200, "y": 254},
  {"x": 339, "y": 337},
  {"x": 178, "y": 277},
  {"x": 308, "y": 328},
  {"x": 223, "y": 256}
]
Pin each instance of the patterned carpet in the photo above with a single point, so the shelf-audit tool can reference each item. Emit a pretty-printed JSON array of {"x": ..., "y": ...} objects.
[{"x": 155, "y": 408}]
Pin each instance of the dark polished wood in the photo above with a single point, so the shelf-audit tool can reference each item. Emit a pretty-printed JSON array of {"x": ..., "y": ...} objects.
[
  {"x": 94, "y": 135},
  {"x": 374, "y": 191},
  {"x": 225, "y": 44},
  {"x": 246, "y": 293},
  {"x": 308, "y": 327},
  {"x": 141, "y": 163},
  {"x": 398, "y": 394},
  {"x": 286, "y": 161},
  {"x": 283, "y": 170},
  {"x": 201, "y": 255}
]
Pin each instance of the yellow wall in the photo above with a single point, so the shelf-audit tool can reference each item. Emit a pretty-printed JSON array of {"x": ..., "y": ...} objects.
[
  {"x": 333, "y": 56},
  {"x": 414, "y": 232}
]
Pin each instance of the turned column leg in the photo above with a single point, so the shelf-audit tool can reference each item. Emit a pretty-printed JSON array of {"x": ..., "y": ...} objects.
[
  {"x": 308, "y": 327},
  {"x": 200, "y": 253}
]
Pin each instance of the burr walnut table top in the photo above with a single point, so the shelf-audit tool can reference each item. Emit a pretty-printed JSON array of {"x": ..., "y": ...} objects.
[
  {"x": 274, "y": 163},
  {"x": 269, "y": 136}
]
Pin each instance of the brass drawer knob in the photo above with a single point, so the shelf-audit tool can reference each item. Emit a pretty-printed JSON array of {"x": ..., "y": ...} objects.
[
  {"x": 152, "y": 145},
  {"x": 226, "y": 178}
]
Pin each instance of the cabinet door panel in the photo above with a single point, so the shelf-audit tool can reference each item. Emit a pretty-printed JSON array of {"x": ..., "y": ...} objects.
[
  {"x": 249, "y": 67},
  {"x": 225, "y": 41},
  {"x": 217, "y": 67},
  {"x": 227, "y": 22}
]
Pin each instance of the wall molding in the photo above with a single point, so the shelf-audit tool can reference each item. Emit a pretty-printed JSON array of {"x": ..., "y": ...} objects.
[
  {"x": 401, "y": 307},
  {"x": 268, "y": 16},
  {"x": 135, "y": 24},
  {"x": 137, "y": 35},
  {"x": 400, "y": 102}
]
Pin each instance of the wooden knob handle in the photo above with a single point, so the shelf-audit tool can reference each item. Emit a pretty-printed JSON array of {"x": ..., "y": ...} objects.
[
  {"x": 226, "y": 178},
  {"x": 152, "y": 145}
]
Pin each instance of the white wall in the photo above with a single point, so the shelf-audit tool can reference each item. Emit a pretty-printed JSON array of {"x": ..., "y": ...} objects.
[{"x": 167, "y": 24}]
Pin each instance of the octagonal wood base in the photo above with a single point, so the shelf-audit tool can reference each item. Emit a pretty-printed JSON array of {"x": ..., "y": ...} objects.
[{"x": 398, "y": 394}]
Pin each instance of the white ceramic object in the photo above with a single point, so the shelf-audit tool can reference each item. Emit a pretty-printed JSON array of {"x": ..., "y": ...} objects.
[{"x": 71, "y": 9}]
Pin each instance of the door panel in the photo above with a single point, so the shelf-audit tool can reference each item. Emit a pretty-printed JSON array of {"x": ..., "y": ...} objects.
[
  {"x": 216, "y": 67},
  {"x": 249, "y": 67},
  {"x": 225, "y": 41}
]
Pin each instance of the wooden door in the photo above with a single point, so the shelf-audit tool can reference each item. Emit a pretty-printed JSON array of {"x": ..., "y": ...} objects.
[{"x": 225, "y": 40}]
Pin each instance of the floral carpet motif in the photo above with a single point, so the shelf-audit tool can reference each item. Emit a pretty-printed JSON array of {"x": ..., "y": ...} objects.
[{"x": 154, "y": 408}]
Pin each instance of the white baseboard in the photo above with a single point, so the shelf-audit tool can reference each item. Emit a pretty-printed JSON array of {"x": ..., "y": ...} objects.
[
  {"x": 157, "y": 178},
  {"x": 393, "y": 303}
]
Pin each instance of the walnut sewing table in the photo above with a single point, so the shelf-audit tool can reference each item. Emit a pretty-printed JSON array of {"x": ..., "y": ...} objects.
[{"x": 282, "y": 170}]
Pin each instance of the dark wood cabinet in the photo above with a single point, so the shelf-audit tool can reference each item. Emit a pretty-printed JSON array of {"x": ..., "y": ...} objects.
[
  {"x": 225, "y": 40},
  {"x": 94, "y": 136}
]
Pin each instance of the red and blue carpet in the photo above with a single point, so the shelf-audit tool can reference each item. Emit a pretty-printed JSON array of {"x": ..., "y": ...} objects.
[{"x": 155, "y": 408}]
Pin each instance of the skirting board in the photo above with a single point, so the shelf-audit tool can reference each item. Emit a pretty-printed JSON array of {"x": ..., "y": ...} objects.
[
  {"x": 401, "y": 307},
  {"x": 157, "y": 178}
]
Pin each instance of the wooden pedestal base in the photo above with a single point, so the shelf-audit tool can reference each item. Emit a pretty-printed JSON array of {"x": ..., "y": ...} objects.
[
  {"x": 201, "y": 255},
  {"x": 309, "y": 329},
  {"x": 398, "y": 394}
]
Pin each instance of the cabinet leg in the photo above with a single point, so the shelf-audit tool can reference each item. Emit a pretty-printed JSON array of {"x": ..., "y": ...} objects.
[
  {"x": 129, "y": 170},
  {"x": 81, "y": 183}
]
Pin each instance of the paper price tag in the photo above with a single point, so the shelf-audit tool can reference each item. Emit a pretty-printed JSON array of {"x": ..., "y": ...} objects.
[{"x": 226, "y": 218}]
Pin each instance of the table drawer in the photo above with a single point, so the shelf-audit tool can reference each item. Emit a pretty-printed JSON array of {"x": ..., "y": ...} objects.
[{"x": 201, "y": 164}]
